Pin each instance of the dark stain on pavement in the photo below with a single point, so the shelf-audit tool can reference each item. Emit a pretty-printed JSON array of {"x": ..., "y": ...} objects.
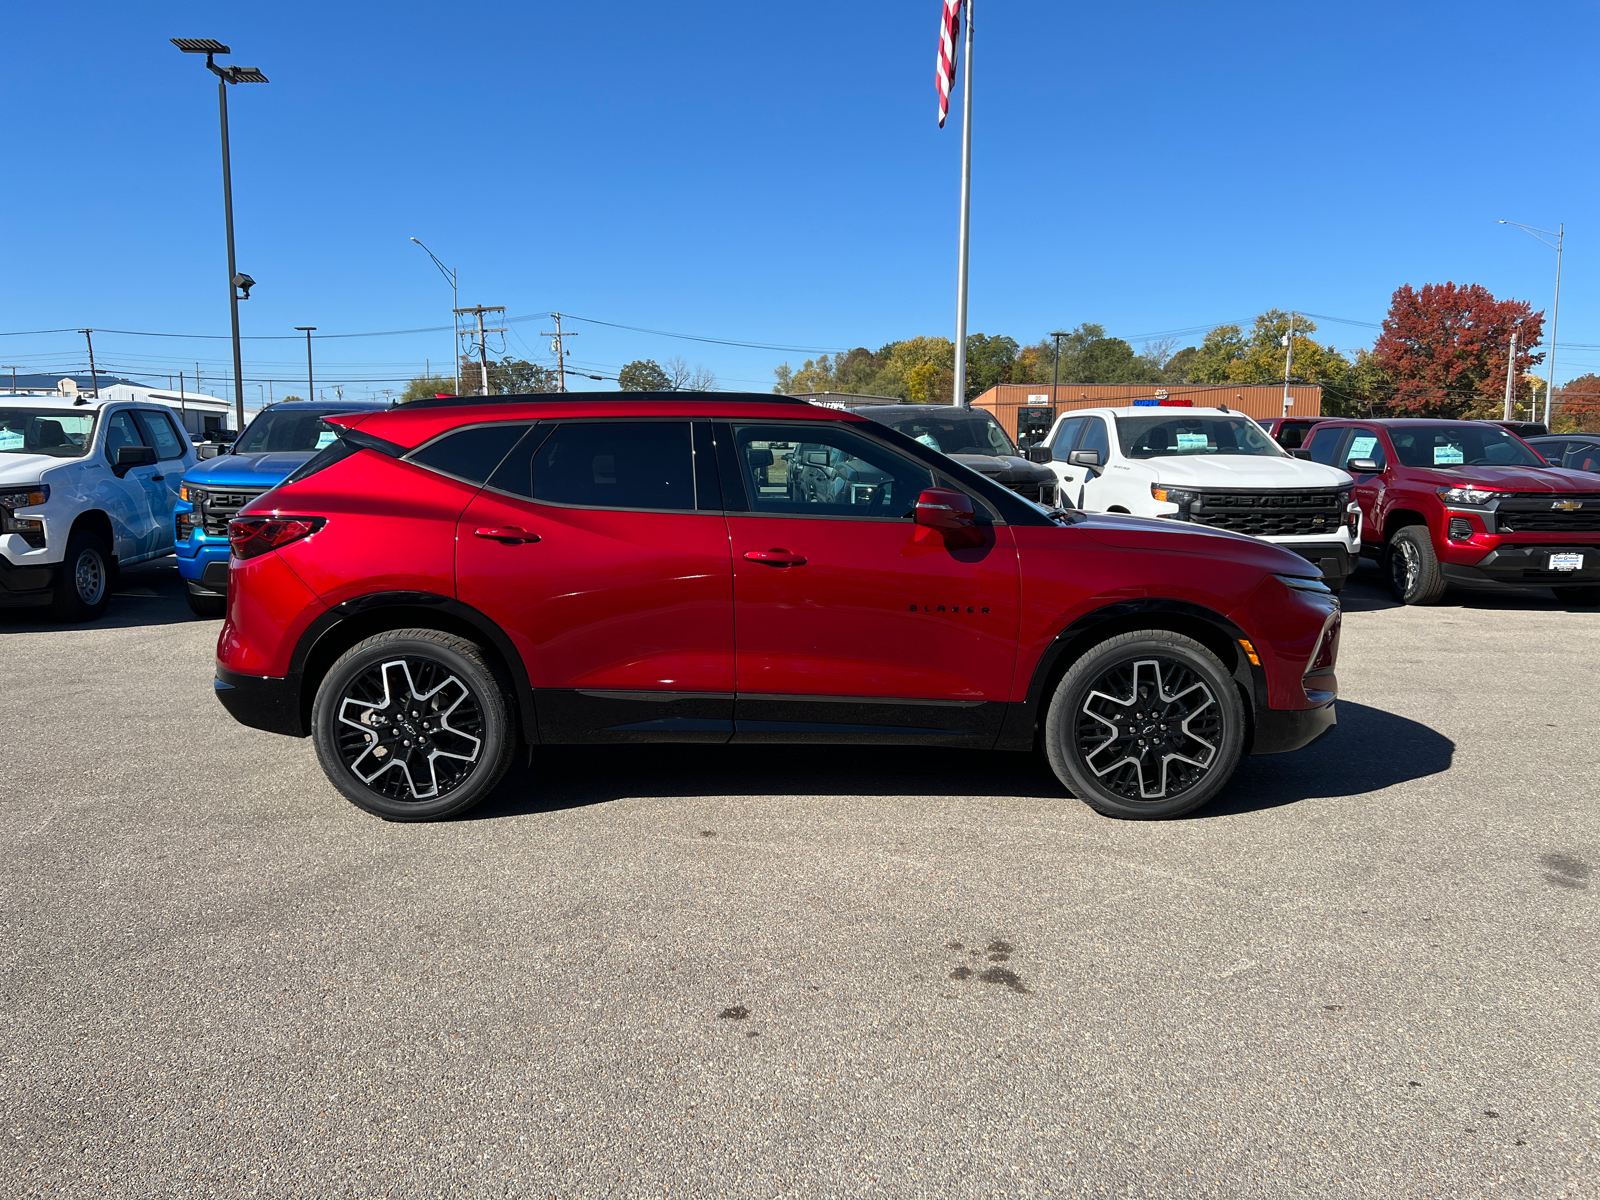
[
  {"x": 737, "y": 1012},
  {"x": 962, "y": 973},
  {"x": 1566, "y": 870},
  {"x": 999, "y": 951}
]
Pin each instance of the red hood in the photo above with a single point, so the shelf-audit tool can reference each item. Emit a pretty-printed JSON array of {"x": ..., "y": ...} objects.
[
  {"x": 1553, "y": 480},
  {"x": 1182, "y": 537}
]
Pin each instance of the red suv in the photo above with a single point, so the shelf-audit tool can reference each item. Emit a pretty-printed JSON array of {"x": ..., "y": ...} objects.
[
  {"x": 451, "y": 578},
  {"x": 1466, "y": 502}
]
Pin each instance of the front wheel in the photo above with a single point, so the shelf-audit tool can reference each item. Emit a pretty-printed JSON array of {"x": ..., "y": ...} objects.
[
  {"x": 1145, "y": 725},
  {"x": 204, "y": 604},
  {"x": 412, "y": 725},
  {"x": 83, "y": 589},
  {"x": 1412, "y": 567}
]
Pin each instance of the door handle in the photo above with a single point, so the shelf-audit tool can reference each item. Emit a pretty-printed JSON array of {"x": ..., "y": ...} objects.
[
  {"x": 506, "y": 535},
  {"x": 157, "y": 478},
  {"x": 776, "y": 557}
]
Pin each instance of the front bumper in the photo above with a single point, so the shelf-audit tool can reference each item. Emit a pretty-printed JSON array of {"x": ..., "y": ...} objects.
[
  {"x": 27, "y": 586},
  {"x": 1278, "y": 730},
  {"x": 1336, "y": 559},
  {"x": 203, "y": 566},
  {"x": 262, "y": 701},
  {"x": 1516, "y": 564}
]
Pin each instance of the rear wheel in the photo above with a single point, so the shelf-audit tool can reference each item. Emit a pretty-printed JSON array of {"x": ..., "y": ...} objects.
[
  {"x": 83, "y": 589},
  {"x": 1412, "y": 568},
  {"x": 1145, "y": 725},
  {"x": 1582, "y": 596},
  {"x": 411, "y": 725},
  {"x": 203, "y": 605}
]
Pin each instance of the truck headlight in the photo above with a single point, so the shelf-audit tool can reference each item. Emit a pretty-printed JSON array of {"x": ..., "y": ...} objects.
[
  {"x": 1171, "y": 495},
  {"x": 31, "y": 496},
  {"x": 1466, "y": 495}
]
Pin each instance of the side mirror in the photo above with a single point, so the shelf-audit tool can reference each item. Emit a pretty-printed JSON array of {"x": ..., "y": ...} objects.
[
  {"x": 1363, "y": 466},
  {"x": 129, "y": 457},
  {"x": 945, "y": 508},
  {"x": 1084, "y": 458},
  {"x": 1301, "y": 454},
  {"x": 1041, "y": 454}
]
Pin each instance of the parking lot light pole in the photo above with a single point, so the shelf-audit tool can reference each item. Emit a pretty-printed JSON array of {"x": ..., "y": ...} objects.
[
  {"x": 455, "y": 304},
  {"x": 238, "y": 285},
  {"x": 1055, "y": 371},
  {"x": 311, "y": 388},
  {"x": 1560, "y": 234}
]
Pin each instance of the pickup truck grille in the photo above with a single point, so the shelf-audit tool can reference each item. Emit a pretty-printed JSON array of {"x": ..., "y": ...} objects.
[
  {"x": 1536, "y": 514},
  {"x": 1271, "y": 514},
  {"x": 219, "y": 507},
  {"x": 1038, "y": 492}
]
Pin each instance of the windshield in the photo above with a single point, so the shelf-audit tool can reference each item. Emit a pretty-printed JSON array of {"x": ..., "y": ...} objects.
[
  {"x": 53, "y": 431},
  {"x": 1166, "y": 436},
  {"x": 288, "y": 430},
  {"x": 953, "y": 433},
  {"x": 1460, "y": 446}
]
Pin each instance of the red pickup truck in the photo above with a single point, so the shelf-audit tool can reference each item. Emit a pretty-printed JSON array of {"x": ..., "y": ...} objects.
[{"x": 1466, "y": 502}]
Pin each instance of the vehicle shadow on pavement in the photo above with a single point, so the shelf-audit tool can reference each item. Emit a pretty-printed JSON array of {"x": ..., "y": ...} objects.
[
  {"x": 1341, "y": 763},
  {"x": 1366, "y": 591},
  {"x": 570, "y": 777},
  {"x": 147, "y": 594}
]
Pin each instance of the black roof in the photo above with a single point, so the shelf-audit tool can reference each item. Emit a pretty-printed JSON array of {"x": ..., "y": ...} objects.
[{"x": 607, "y": 397}]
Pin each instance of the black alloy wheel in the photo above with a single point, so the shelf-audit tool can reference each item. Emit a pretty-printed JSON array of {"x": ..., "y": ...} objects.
[
  {"x": 1412, "y": 567},
  {"x": 1145, "y": 725},
  {"x": 412, "y": 725}
]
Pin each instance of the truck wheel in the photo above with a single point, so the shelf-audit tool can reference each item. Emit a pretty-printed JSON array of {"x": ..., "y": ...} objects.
[
  {"x": 1145, "y": 725},
  {"x": 1583, "y": 597},
  {"x": 1412, "y": 567},
  {"x": 206, "y": 605},
  {"x": 412, "y": 725},
  {"x": 83, "y": 589}
]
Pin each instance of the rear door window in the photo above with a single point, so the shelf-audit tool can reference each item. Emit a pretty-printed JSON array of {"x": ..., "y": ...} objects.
[{"x": 616, "y": 464}]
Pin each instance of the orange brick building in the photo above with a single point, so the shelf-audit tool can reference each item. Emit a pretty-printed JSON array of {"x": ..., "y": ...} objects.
[{"x": 1027, "y": 411}]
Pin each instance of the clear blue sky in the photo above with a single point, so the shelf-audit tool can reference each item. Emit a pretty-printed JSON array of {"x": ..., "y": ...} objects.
[{"x": 773, "y": 173}]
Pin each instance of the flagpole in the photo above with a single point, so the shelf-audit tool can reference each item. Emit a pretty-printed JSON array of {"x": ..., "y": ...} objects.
[{"x": 960, "y": 397}]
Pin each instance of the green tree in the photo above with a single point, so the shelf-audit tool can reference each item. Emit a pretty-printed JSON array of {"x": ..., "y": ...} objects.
[
  {"x": 292, "y": 400},
  {"x": 1229, "y": 355},
  {"x": 990, "y": 360},
  {"x": 643, "y": 375},
  {"x": 426, "y": 387}
]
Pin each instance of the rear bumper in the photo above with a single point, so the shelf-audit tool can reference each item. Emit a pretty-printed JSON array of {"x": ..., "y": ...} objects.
[
  {"x": 262, "y": 701},
  {"x": 27, "y": 587},
  {"x": 1278, "y": 730}
]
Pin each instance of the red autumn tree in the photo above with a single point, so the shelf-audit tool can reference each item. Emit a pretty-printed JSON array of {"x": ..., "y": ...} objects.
[
  {"x": 1578, "y": 404},
  {"x": 1444, "y": 349}
]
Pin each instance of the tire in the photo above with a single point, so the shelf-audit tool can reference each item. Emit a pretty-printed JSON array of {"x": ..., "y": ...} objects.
[
  {"x": 206, "y": 605},
  {"x": 1412, "y": 568},
  {"x": 462, "y": 722},
  {"x": 83, "y": 590},
  {"x": 1201, "y": 732},
  {"x": 1582, "y": 596}
]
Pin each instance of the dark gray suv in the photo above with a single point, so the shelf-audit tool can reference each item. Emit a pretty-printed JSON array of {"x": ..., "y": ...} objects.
[{"x": 974, "y": 439}]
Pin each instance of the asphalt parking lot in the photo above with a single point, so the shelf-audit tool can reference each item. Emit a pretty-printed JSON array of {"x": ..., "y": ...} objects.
[{"x": 1369, "y": 970}]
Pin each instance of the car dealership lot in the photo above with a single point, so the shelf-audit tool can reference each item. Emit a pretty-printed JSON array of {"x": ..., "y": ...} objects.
[{"x": 1368, "y": 969}]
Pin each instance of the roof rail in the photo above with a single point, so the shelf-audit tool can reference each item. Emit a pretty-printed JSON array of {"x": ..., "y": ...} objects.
[{"x": 605, "y": 398}]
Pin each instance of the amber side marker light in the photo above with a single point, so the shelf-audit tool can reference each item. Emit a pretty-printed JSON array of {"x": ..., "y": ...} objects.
[{"x": 1250, "y": 652}]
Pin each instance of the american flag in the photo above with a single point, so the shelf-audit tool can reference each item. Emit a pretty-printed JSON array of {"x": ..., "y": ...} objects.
[{"x": 949, "y": 34}]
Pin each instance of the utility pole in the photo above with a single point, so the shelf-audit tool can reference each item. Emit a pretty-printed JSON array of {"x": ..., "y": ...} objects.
[
  {"x": 960, "y": 398},
  {"x": 13, "y": 371},
  {"x": 1511, "y": 374},
  {"x": 477, "y": 310},
  {"x": 94, "y": 380},
  {"x": 311, "y": 388},
  {"x": 1555, "y": 321},
  {"x": 1288, "y": 365},
  {"x": 561, "y": 353},
  {"x": 1055, "y": 373},
  {"x": 183, "y": 403}
]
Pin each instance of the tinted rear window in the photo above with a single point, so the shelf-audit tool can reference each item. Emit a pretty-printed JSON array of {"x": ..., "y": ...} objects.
[
  {"x": 473, "y": 453},
  {"x": 616, "y": 464}
]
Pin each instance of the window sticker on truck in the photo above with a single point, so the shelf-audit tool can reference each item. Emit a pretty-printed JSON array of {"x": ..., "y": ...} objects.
[
  {"x": 1361, "y": 447},
  {"x": 1193, "y": 441},
  {"x": 1448, "y": 456}
]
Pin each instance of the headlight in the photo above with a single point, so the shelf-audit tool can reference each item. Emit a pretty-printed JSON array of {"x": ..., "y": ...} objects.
[
  {"x": 1461, "y": 495},
  {"x": 1304, "y": 583},
  {"x": 1170, "y": 495},
  {"x": 31, "y": 496},
  {"x": 194, "y": 495}
]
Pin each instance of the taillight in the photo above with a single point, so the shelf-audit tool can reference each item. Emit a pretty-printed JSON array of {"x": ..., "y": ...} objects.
[{"x": 249, "y": 537}]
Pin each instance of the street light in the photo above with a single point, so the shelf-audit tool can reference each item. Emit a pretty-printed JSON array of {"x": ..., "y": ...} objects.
[
  {"x": 455, "y": 303},
  {"x": 1055, "y": 372},
  {"x": 239, "y": 284},
  {"x": 311, "y": 391},
  {"x": 1559, "y": 233}
]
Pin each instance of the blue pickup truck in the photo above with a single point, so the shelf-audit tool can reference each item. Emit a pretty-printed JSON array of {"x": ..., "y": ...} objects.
[{"x": 281, "y": 437}]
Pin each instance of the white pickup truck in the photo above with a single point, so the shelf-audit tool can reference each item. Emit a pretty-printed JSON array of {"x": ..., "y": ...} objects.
[
  {"x": 85, "y": 487},
  {"x": 1210, "y": 466}
]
